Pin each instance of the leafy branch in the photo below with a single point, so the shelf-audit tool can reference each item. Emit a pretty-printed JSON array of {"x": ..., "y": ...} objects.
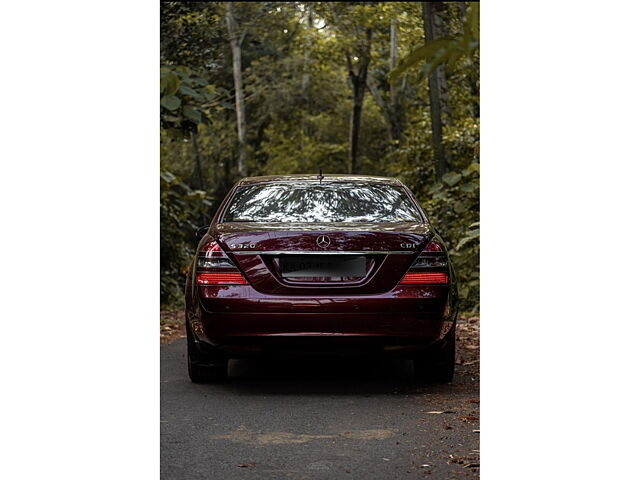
[
  {"x": 186, "y": 98},
  {"x": 444, "y": 50}
]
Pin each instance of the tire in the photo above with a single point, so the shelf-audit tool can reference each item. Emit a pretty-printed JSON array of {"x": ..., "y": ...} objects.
[
  {"x": 206, "y": 373},
  {"x": 204, "y": 370},
  {"x": 438, "y": 364}
]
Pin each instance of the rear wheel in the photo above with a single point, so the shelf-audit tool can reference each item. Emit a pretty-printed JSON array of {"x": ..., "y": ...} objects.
[
  {"x": 438, "y": 364},
  {"x": 204, "y": 369},
  {"x": 206, "y": 373}
]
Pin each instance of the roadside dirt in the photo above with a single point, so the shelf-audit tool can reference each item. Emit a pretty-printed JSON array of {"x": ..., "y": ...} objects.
[
  {"x": 453, "y": 410},
  {"x": 468, "y": 342},
  {"x": 171, "y": 326}
]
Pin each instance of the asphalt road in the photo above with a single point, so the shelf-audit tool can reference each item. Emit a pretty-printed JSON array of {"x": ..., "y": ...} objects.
[{"x": 316, "y": 419}]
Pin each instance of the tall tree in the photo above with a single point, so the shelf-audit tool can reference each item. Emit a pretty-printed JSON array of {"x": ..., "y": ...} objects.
[
  {"x": 396, "y": 92},
  {"x": 306, "y": 76},
  {"x": 392, "y": 107},
  {"x": 358, "y": 79},
  {"x": 198, "y": 157},
  {"x": 352, "y": 25},
  {"x": 433, "y": 20},
  {"x": 236, "y": 37},
  {"x": 470, "y": 77}
]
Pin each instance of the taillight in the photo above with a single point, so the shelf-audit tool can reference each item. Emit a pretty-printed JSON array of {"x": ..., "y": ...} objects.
[
  {"x": 204, "y": 262},
  {"x": 424, "y": 278},
  {"x": 221, "y": 278},
  {"x": 434, "y": 246},
  {"x": 215, "y": 268},
  {"x": 212, "y": 256},
  {"x": 211, "y": 249},
  {"x": 429, "y": 261},
  {"x": 433, "y": 257}
]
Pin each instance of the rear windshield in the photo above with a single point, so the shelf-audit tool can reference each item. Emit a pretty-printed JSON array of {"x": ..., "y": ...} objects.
[{"x": 321, "y": 203}]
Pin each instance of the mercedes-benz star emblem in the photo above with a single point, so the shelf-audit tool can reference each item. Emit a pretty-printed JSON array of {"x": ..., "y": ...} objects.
[{"x": 323, "y": 241}]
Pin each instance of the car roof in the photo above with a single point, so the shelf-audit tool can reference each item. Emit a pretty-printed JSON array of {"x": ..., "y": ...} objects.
[{"x": 325, "y": 179}]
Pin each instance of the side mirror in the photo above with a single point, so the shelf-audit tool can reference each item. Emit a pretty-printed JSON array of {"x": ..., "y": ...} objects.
[{"x": 202, "y": 231}]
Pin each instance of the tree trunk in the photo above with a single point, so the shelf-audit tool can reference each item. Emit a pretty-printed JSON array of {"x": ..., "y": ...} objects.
[
  {"x": 356, "y": 118},
  {"x": 441, "y": 29},
  {"x": 235, "y": 40},
  {"x": 358, "y": 87},
  {"x": 396, "y": 116},
  {"x": 196, "y": 151},
  {"x": 473, "y": 86},
  {"x": 436, "y": 98},
  {"x": 392, "y": 107},
  {"x": 306, "y": 77},
  {"x": 385, "y": 108}
]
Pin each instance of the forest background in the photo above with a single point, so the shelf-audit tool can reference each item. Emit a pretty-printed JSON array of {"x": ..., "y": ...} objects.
[{"x": 374, "y": 88}]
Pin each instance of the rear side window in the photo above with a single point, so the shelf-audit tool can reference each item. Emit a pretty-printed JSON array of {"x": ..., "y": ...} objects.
[{"x": 321, "y": 203}]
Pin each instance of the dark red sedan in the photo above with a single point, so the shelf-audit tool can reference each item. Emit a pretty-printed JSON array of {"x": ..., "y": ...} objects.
[{"x": 310, "y": 264}]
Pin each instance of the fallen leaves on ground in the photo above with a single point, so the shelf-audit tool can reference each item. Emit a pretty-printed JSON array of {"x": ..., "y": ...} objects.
[
  {"x": 171, "y": 325},
  {"x": 469, "y": 418},
  {"x": 468, "y": 341},
  {"x": 462, "y": 427}
]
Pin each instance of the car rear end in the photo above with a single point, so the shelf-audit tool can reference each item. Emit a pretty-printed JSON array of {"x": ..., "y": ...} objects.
[{"x": 356, "y": 285}]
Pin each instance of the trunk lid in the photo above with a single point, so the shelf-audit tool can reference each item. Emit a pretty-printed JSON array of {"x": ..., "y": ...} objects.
[{"x": 323, "y": 259}]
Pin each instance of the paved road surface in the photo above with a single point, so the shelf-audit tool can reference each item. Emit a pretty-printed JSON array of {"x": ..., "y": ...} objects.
[{"x": 316, "y": 419}]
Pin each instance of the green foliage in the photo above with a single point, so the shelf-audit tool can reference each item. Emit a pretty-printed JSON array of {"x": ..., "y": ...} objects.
[
  {"x": 180, "y": 211},
  {"x": 444, "y": 50},
  {"x": 454, "y": 208},
  {"x": 453, "y": 205},
  {"x": 188, "y": 100}
]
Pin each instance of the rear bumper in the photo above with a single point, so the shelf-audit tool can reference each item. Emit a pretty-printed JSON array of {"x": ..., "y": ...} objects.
[
  {"x": 239, "y": 321},
  {"x": 297, "y": 346}
]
